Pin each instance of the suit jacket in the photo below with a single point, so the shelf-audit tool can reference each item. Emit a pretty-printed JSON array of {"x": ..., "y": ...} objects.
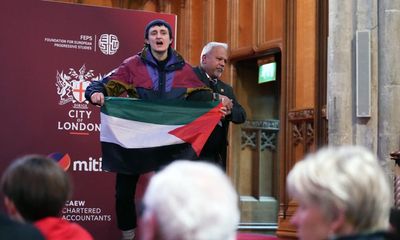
[{"x": 215, "y": 148}]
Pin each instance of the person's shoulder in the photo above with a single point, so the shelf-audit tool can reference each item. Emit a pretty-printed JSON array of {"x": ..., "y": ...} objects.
[
  {"x": 226, "y": 85},
  {"x": 175, "y": 54},
  {"x": 379, "y": 235},
  {"x": 199, "y": 72},
  {"x": 80, "y": 231},
  {"x": 64, "y": 228},
  {"x": 132, "y": 59},
  {"x": 10, "y": 229},
  {"x": 133, "y": 62}
]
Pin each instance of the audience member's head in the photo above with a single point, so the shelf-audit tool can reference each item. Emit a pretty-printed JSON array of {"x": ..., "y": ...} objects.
[
  {"x": 190, "y": 200},
  {"x": 340, "y": 191},
  {"x": 35, "y": 187}
]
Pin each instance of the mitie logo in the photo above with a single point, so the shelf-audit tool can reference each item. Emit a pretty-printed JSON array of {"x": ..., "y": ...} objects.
[
  {"x": 90, "y": 165},
  {"x": 65, "y": 162}
]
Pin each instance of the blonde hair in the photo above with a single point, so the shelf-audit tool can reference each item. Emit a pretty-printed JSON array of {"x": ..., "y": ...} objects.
[{"x": 347, "y": 178}]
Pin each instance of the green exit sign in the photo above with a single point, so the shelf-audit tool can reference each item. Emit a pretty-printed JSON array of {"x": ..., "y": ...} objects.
[{"x": 267, "y": 72}]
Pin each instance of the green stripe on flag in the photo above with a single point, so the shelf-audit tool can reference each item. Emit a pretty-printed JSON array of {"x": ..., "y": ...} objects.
[{"x": 170, "y": 112}]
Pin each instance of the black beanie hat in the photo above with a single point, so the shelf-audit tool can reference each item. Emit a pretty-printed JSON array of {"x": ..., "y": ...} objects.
[{"x": 157, "y": 22}]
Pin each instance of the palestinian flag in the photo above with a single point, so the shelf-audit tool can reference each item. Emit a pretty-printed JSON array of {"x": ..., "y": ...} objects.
[{"x": 138, "y": 136}]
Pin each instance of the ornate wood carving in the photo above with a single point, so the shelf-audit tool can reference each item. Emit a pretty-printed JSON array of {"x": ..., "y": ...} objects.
[
  {"x": 301, "y": 115},
  {"x": 303, "y": 127},
  {"x": 260, "y": 134},
  {"x": 297, "y": 134}
]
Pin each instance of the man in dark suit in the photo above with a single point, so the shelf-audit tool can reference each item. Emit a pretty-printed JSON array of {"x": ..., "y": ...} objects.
[{"x": 212, "y": 63}]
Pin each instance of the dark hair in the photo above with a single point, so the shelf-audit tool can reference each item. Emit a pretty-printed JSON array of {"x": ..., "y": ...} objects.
[
  {"x": 157, "y": 22},
  {"x": 37, "y": 186}
]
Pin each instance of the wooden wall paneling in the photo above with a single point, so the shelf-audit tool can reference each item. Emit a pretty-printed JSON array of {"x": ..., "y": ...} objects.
[
  {"x": 269, "y": 25},
  {"x": 233, "y": 30},
  {"x": 242, "y": 28},
  {"x": 194, "y": 31},
  {"x": 184, "y": 23},
  {"x": 246, "y": 23},
  {"x": 305, "y": 69},
  {"x": 302, "y": 139},
  {"x": 190, "y": 30},
  {"x": 232, "y": 167},
  {"x": 245, "y": 157},
  {"x": 285, "y": 230},
  {"x": 183, "y": 29},
  {"x": 146, "y": 5},
  {"x": 221, "y": 21},
  {"x": 210, "y": 25},
  {"x": 176, "y": 7},
  {"x": 208, "y": 21},
  {"x": 321, "y": 94},
  {"x": 164, "y": 6},
  {"x": 220, "y": 29},
  {"x": 216, "y": 28},
  {"x": 306, "y": 54},
  {"x": 253, "y": 162},
  {"x": 254, "y": 169}
]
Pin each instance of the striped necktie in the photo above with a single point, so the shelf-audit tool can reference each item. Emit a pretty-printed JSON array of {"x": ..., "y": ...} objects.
[{"x": 213, "y": 84}]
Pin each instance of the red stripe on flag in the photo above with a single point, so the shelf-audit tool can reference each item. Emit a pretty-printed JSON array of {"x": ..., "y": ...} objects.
[{"x": 197, "y": 132}]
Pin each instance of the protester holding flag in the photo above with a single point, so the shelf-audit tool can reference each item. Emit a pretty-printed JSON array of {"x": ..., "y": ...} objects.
[
  {"x": 158, "y": 72},
  {"x": 212, "y": 63}
]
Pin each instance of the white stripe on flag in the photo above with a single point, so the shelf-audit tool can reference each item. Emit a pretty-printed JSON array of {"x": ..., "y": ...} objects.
[{"x": 133, "y": 134}]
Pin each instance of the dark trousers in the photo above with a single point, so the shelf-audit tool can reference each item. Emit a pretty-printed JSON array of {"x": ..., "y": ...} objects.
[{"x": 125, "y": 188}]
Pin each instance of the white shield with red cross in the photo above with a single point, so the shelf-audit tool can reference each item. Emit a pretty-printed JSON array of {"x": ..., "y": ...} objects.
[{"x": 78, "y": 90}]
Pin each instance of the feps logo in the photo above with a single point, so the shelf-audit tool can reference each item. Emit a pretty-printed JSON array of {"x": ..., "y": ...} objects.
[{"x": 108, "y": 44}]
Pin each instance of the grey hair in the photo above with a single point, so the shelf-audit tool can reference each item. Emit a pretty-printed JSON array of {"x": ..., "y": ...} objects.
[
  {"x": 193, "y": 200},
  {"x": 209, "y": 46},
  {"x": 346, "y": 178}
]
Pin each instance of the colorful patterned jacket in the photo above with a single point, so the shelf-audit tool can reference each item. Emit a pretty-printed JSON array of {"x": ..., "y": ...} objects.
[{"x": 140, "y": 76}]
